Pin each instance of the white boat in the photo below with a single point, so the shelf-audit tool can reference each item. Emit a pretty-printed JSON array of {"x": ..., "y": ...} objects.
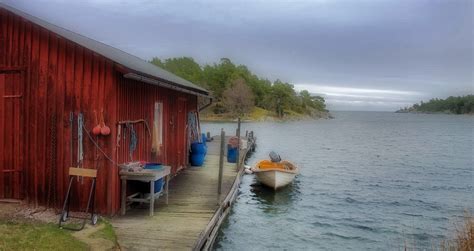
[{"x": 275, "y": 174}]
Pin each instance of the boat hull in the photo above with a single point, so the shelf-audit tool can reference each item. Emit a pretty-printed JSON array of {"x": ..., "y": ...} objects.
[{"x": 274, "y": 178}]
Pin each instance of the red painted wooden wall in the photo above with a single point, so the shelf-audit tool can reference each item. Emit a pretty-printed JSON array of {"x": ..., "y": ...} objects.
[
  {"x": 44, "y": 77},
  {"x": 136, "y": 101}
]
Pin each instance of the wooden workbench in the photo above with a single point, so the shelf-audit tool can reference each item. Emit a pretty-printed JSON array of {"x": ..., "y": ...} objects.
[{"x": 146, "y": 175}]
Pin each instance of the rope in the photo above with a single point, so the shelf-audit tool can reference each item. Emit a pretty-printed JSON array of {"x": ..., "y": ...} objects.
[
  {"x": 133, "y": 140},
  {"x": 97, "y": 145},
  {"x": 193, "y": 132},
  {"x": 52, "y": 165}
]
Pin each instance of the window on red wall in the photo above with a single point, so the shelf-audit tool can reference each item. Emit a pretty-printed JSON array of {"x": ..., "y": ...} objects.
[{"x": 157, "y": 140}]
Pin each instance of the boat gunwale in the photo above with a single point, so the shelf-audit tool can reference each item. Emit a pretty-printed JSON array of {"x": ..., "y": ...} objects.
[{"x": 258, "y": 170}]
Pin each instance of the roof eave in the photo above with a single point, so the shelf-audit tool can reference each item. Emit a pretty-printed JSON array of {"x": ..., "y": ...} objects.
[{"x": 163, "y": 83}]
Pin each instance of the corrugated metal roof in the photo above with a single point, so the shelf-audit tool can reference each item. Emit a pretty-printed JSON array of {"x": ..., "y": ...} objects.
[{"x": 129, "y": 61}]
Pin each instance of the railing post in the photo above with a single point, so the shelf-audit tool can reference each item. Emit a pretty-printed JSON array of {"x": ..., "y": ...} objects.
[
  {"x": 221, "y": 167},
  {"x": 238, "y": 145}
]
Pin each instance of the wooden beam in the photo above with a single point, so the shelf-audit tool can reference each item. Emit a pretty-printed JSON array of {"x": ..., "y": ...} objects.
[
  {"x": 221, "y": 167},
  {"x": 6, "y": 69},
  {"x": 83, "y": 172},
  {"x": 237, "y": 162}
]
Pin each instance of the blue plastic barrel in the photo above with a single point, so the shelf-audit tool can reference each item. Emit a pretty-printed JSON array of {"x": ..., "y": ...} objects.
[
  {"x": 198, "y": 148},
  {"x": 197, "y": 159},
  {"x": 231, "y": 154}
]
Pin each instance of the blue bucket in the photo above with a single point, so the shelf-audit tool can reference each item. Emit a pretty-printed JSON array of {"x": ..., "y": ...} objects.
[
  {"x": 158, "y": 183},
  {"x": 197, "y": 159},
  {"x": 231, "y": 154},
  {"x": 198, "y": 148},
  {"x": 154, "y": 166}
]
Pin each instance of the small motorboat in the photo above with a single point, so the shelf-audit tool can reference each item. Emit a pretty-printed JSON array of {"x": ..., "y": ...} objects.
[{"x": 275, "y": 173}]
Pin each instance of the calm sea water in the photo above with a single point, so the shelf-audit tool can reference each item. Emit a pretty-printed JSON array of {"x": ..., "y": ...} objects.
[{"x": 368, "y": 181}]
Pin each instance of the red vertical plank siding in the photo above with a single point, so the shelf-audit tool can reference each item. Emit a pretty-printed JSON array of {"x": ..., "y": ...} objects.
[
  {"x": 136, "y": 101},
  {"x": 51, "y": 127},
  {"x": 110, "y": 105},
  {"x": 14, "y": 47},
  {"x": 42, "y": 113},
  {"x": 33, "y": 128},
  {"x": 7, "y": 135},
  {"x": 63, "y": 122},
  {"x": 19, "y": 145},
  {"x": 76, "y": 108},
  {"x": 78, "y": 187},
  {"x": 59, "y": 77},
  {"x": 9, "y": 39},
  {"x": 2, "y": 133},
  {"x": 3, "y": 26}
]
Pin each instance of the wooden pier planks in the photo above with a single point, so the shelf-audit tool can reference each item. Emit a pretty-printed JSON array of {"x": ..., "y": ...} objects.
[{"x": 192, "y": 204}]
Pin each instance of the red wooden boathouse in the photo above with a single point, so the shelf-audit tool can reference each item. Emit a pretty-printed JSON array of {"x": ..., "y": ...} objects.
[{"x": 48, "y": 73}]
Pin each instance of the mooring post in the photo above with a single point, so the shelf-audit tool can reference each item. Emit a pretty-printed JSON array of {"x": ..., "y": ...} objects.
[
  {"x": 221, "y": 167},
  {"x": 238, "y": 145}
]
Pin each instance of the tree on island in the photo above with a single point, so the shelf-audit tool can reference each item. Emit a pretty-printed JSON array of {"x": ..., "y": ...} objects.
[
  {"x": 238, "y": 98},
  {"x": 455, "y": 105},
  {"x": 277, "y": 97}
]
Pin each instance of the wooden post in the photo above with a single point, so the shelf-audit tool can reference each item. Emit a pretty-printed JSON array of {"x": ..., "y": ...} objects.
[
  {"x": 152, "y": 198},
  {"x": 238, "y": 145},
  {"x": 124, "y": 196},
  {"x": 221, "y": 167}
]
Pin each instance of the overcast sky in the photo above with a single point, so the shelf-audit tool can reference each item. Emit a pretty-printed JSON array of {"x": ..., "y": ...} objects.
[{"x": 361, "y": 55}]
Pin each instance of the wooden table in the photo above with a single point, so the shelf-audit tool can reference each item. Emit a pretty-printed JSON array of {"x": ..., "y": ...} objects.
[{"x": 146, "y": 175}]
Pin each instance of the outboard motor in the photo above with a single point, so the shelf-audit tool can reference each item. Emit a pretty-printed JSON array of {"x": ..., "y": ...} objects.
[{"x": 274, "y": 156}]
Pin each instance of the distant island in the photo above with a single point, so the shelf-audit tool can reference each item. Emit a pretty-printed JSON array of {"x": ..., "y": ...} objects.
[
  {"x": 450, "y": 105},
  {"x": 238, "y": 92}
]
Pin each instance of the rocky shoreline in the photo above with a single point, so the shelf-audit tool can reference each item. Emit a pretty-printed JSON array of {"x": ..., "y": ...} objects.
[{"x": 267, "y": 118}]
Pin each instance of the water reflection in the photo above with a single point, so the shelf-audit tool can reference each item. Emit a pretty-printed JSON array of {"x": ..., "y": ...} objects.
[{"x": 276, "y": 202}]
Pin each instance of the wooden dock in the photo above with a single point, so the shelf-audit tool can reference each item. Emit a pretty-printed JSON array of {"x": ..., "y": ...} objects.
[{"x": 193, "y": 215}]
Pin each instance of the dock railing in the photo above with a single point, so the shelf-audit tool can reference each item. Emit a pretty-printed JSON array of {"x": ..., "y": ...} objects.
[{"x": 207, "y": 237}]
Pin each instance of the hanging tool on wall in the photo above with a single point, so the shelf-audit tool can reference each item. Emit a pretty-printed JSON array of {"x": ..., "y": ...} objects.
[
  {"x": 71, "y": 141},
  {"x": 80, "y": 146},
  {"x": 80, "y": 149}
]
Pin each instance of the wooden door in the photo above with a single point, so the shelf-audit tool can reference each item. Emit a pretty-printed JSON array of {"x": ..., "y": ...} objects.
[
  {"x": 181, "y": 134},
  {"x": 11, "y": 134}
]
